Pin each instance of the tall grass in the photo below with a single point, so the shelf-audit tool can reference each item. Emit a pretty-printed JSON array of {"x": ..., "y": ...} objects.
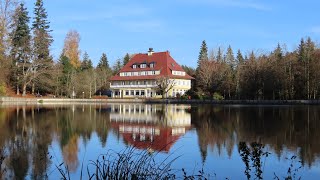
[
  {"x": 132, "y": 164},
  {"x": 126, "y": 164}
]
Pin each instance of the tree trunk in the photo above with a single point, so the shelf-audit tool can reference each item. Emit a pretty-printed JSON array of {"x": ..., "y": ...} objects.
[
  {"x": 32, "y": 90},
  {"x": 24, "y": 89},
  {"x": 18, "y": 91}
]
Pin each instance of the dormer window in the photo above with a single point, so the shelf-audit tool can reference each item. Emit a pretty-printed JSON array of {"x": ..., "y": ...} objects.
[
  {"x": 134, "y": 66},
  {"x": 152, "y": 65},
  {"x": 143, "y": 65}
]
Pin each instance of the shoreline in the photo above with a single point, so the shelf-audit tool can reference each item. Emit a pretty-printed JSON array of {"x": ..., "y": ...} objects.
[{"x": 30, "y": 101}]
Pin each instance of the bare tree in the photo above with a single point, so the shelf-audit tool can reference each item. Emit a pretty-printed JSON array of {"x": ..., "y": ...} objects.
[
  {"x": 7, "y": 8},
  {"x": 164, "y": 85},
  {"x": 206, "y": 74}
]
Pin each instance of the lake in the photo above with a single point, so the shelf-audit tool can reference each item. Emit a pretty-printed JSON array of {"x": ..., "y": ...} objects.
[{"x": 226, "y": 141}]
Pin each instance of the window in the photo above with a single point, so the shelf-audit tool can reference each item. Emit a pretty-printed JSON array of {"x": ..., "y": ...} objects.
[
  {"x": 127, "y": 93},
  {"x": 143, "y": 73},
  {"x": 144, "y": 82},
  {"x": 143, "y": 65},
  {"x": 122, "y": 82},
  {"x": 152, "y": 65},
  {"x": 132, "y": 92},
  {"x": 134, "y": 66},
  {"x": 137, "y": 92},
  {"x": 142, "y": 93},
  {"x": 153, "y": 72}
]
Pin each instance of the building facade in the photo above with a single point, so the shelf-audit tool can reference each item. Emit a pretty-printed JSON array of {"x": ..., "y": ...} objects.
[{"x": 139, "y": 78}]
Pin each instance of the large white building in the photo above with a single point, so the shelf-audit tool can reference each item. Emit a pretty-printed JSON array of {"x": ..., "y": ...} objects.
[{"x": 139, "y": 76}]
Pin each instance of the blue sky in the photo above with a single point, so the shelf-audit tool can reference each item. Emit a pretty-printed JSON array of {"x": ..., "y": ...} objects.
[{"x": 117, "y": 27}]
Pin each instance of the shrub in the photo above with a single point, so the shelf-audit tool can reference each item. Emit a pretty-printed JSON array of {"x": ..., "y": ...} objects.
[
  {"x": 184, "y": 97},
  {"x": 3, "y": 89},
  {"x": 217, "y": 96},
  {"x": 192, "y": 94}
]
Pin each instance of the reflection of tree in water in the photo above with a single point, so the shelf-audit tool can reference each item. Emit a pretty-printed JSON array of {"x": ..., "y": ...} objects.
[
  {"x": 213, "y": 129},
  {"x": 28, "y": 137},
  {"x": 18, "y": 158},
  {"x": 80, "y": 121},
  {"x": 34, "y": 128},
  {"x": 294, "y": 128},
  {"x": 70, "y": 153},
  {"x": 43, "y": 123},
  {"x": 291, "y": 127}
]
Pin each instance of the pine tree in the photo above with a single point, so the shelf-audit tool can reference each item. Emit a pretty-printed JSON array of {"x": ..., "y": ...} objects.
[
  {"x": 103, "y": 63},
  {"x": 20, "y": 36},
  {"x": 203, "y": 55},
  {"x": 252, "y": 57},
  {"x": 20, "y": 50},
  {"x": 301, "y": 51},
  {"x": 240, "y": 58},
  {"x": 42, "y": 39},
  {"x": 86, "y": 62},
  {"x": 219, "y": 55},
  {"x": 117, "y": 66},
  {"x": 278, "y": 52},
  {"x": 230, "y": 58},
  {"x": 126, "y": 59}
]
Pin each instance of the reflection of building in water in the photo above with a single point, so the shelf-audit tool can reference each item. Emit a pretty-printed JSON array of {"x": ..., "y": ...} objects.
[{"x": 152, "y": 127}]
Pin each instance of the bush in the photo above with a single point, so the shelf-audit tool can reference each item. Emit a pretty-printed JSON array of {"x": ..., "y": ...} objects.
[
  {"x": 184, "y": 97},
  {"x": 192, "y": 94},
  {"x": 3, "y": 89},
  {"x": 217, "y": 96}
]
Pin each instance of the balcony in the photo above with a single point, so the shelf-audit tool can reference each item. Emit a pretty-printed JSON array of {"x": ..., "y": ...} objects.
[{"x": 134, "y": 86}]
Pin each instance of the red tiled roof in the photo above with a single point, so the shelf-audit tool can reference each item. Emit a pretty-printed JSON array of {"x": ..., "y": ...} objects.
[
  {"x": 163, "y": 62},
  {"x": 162, "y": 142}
]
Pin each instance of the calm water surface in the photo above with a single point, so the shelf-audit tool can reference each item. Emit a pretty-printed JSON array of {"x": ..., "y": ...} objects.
[{"x": 36, "y": 139}]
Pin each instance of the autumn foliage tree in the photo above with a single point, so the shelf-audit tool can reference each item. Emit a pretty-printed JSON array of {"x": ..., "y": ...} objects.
[{"x": 71, "y": 48}]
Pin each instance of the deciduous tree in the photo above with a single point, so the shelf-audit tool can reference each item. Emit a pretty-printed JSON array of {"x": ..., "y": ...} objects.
[
  {"x": 164, "y": 85},
  {"x": 71, "y": 48},
  {"x": 7, "y": 9}
]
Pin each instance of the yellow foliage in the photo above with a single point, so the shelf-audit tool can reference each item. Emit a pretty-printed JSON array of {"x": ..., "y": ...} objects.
[{"x": 71, "y": 48}]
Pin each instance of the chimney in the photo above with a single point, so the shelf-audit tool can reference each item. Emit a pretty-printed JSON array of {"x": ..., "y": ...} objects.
[{"x": 150, "y": 52}]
